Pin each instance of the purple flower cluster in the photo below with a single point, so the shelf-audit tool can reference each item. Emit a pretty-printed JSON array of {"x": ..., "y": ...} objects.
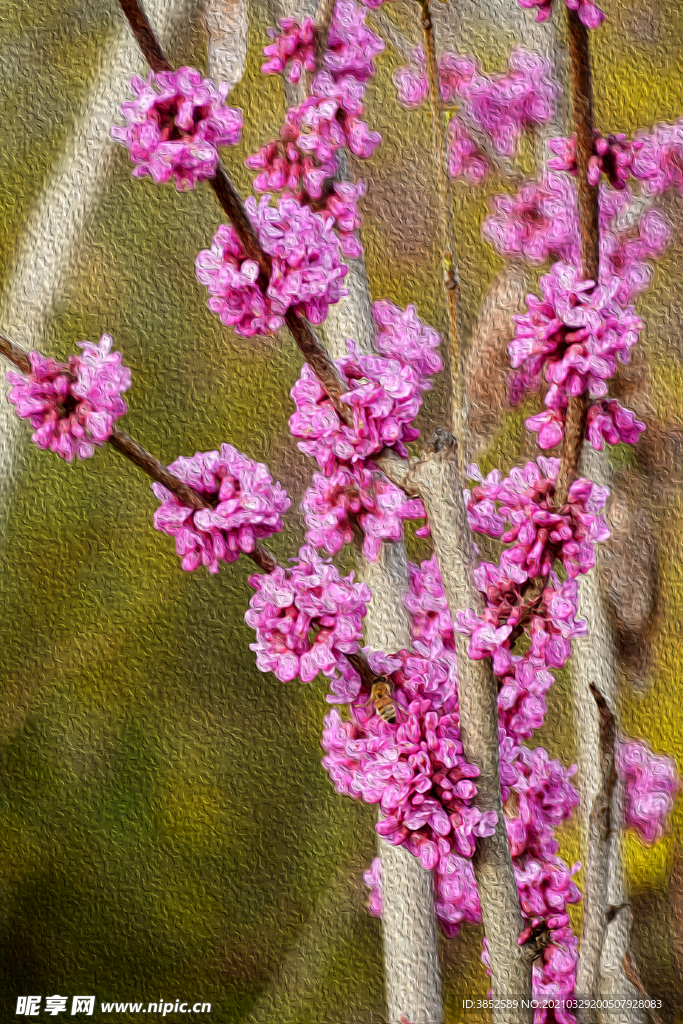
[
  {"x": 612, "y": 156},
  {"x": 540, "y": 222},
  {"x": 72, "y": 406},
  {"x": 415, "y": 770},
  {"x": 356, "y": 501},
  {"x": 589, "y": 13},
  {"x": 402, "y": 334},
  {"x": 247, "y": 506},
  {"x": 293, "y": 46},
  {"x": 384, "y": 396},
  {"x": 518, "y": 509},
  {"x": 303, "y": 160},
  {"x": 290, "y": 604},
  {"x": 658, "y": 162},
  {"x": 306, "y": 270},
  {"x": 650, "y": 784},
  {"x": 175, "y": 124},
  {"x": 573, "y": 336},
  {"x": 500, "y": 106},
  {"x": 426, "y": 601}
]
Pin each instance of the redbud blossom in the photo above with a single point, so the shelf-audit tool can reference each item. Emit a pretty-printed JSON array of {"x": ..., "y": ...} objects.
[
  {"x": 306, "y": 269},
  {"x": 294, "y": 46},
  {"x": 72, "y": 405},
  {"x": 650, "y": 784},
  {"x": 589, "y": 13},
  {"x": 247, "y": 507},
  {"x": 175, "y": 124},
  {"x": 290, "y": 604}
]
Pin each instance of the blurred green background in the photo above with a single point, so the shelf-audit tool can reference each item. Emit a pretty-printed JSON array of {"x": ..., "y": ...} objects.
[{"x": 166, "y": 829}]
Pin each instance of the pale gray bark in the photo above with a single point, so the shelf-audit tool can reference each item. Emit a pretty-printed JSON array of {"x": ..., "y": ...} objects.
[
  {"x": 227, "y": 29},
  {"x": 411, "y": 954},
  {"x": 47, "y": 255},
  {"x": 594, "y": 659}
]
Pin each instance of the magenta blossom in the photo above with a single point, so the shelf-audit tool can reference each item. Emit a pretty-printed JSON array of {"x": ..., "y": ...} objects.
[
  {"x": 538, "y": 222},
  {"x": 311, "y": 597},
  {"x": 402, "y": 334},
  {"x": 247, "y": 506},
  {"x": 356, "y": 500},
  {"x": 650, "y": 785},
  {"x": 293, "y": 46},
  {"x": 427, "y": 604},
  {"x": 306, "y": 269},
  {"x": 351, "y": 45},
  {"x": 175, "y": 124},
  {"x": 72, "y": 406},
  {"x": 589, "y": 13},
  {"x": 384, "y": 397},
  {"x": 612, "y": 155},
  {"x": 658, "y": 163}
]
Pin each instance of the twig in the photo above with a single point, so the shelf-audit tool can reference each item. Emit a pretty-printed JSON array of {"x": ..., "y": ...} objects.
[
  {"x": 231, "y": 202},
  {"x": 451, "y": 279}
]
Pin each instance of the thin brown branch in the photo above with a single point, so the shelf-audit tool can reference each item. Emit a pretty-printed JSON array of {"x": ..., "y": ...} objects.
[
  {"x": 589, "y": 221},
  {"x": 231, "y": 202},
  {"x": 14, "y": 353},
  {"x": 451, "y": 279}
]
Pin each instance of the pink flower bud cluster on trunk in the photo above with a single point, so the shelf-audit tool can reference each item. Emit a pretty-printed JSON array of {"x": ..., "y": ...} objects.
[
  {"x": 540, "y": 222},
  {"x": 247, "y": 507},
  {"x": 291, "y": 604},
  {"x": 499, "y": 106},
  {"x": 306, "y": 269},
  {"x": 589, "y": 13},
  {"x": 303, "y": 160},
  {"x": 353, "y": 499},
  {"x": 573, "y": 336},
  {"x": 72, "y": 406},
  {"x": 651, "y": 783},
  {"x": 175, "y": 124}
]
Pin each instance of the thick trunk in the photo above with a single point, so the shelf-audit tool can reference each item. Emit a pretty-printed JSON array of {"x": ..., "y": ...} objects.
[{"x": 594, "y": 659}]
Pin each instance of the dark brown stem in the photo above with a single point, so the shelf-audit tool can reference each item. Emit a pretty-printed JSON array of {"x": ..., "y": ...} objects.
[
  {"x": 589, "y": 221},
  {"x": 15, "y": 353},
  {"x": 152, "y": 49},
  {"x": 451, "y": 279},
  {"x": 231, "y": 202}
]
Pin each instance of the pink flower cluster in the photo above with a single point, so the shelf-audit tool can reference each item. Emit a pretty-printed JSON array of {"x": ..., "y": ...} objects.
[
  {"x": 650, "y": 784},
  {"x": 518, "y": 509},
  {"x": 72, "y": 406},
  {"x": 290, "y": 604},
  {"x": 589, "y": 13},
  {"x": 540, "y": 222},
  {"x": 294, "y": 46},
  {"x": 175, "y": 124},
  {"x": 356, "y": 500},
  {"x": 247, "y": 506},
  {"x": 426, "y": 601},
  {"x": 384, "y": 396},
  {"x": 401, "y": 334},
  {"x": 612, "y": 156},
  {"x": 500, "y": 106},
  {"x": 303, "y": 160},
  {"x": 574, "y": 336},
  {"x": 415, "y": 770},
  {"x": 658, "y": 161},
  {"x": 306, "y": 269}
]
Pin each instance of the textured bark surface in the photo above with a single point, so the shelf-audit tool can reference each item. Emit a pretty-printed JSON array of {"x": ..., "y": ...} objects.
[
  {"x": 411, "y": 953},
  {"x": 437, "y": 480},
  {"x": 227, "y": 30},
  {"x": 47, "y": 254},
  {"x": 594, "y": 659}
]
